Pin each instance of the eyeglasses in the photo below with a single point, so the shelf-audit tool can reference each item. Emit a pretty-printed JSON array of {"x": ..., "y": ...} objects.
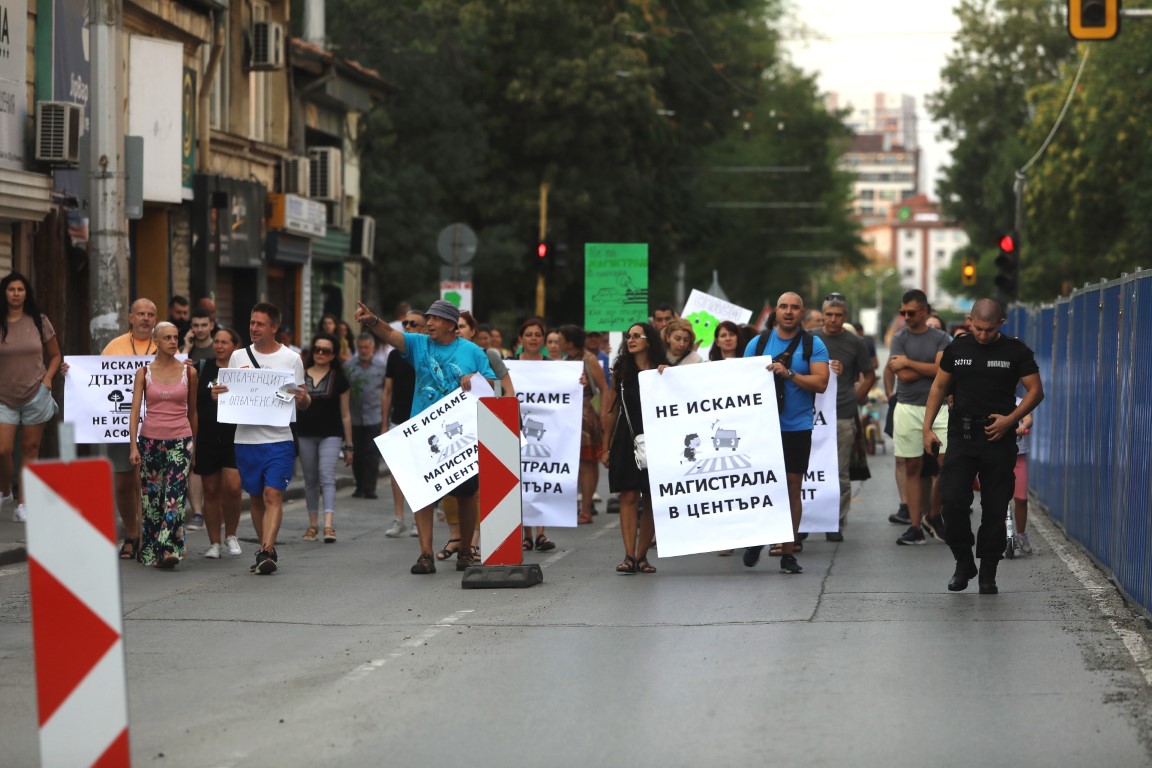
[
  {"x": 909, "y": 312},
  {"x": 834, "y": 297},
  {"x": 322, "y": 350},
  {"x": 636, "y": 336},
  {"x": 411, "y": 323}
]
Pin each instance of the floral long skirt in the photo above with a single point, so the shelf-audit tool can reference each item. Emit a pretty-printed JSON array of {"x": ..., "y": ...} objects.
[{"x": 164, "y": 466}]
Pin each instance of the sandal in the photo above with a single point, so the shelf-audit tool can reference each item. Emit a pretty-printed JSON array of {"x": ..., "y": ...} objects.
[
  {"x": 448, "y": 552},
  {"x": 628, "y": 566},
  {"x": 797, "y": 547},
  {"x": 643, "y": 566},
  {"x": 130, "y": 548},
  {"x": 776, "y": 550},
  {"x": 544, "y": 544},
  {"x": 527, "y": 546},
  {"x": 168, "y": 562},
  {"x": 329, "y": 535},
  {"x": 583, "y": 519},
  {"x": 311, "y": 533}
]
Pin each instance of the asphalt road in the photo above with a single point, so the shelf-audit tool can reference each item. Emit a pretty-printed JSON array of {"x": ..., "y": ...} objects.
[{"x": 343, "y": 658}]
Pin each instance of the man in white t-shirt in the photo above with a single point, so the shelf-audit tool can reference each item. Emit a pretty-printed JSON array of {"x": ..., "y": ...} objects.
[{"x": 266, "y": 456}]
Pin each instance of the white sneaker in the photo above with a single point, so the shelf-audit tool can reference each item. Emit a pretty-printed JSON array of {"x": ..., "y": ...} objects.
[
  {"x": 233, "y": 545},
  {"x": 213, "y": 552},
  {"x": 1025, "y": 545},
  {"x": 396, "y": 529},
  {"x": 20, "y": 514},
  {"x": 413, "y": 532}
]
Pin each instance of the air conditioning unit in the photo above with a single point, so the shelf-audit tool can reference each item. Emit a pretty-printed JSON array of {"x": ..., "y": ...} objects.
[
  {"x": 326, "y": 174},
  {"x": 335, "y": 215},
  {"x": 58, "y": 132},
  {"x": 267, "y": 46},
  {"x": 295, "y": 175},
  {"x": 363, "y": 237}
]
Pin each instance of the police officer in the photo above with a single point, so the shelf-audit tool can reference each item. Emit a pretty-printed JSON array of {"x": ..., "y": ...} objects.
[{"x": 981, "y": 371}]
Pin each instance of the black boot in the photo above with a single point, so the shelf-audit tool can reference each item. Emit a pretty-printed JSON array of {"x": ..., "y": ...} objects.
[
  {"x": 965, "y": 570},
  {"x": 987, "y": 579}
]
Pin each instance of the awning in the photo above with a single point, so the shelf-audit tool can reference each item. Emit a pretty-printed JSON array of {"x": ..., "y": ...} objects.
[
  {"x": 24, "y": 196},
  {"x": 288, "y": 249},
  {"x": 335, "y": 248}
]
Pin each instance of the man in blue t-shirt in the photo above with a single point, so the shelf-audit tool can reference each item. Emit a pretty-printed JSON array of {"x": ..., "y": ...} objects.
[
  {"x": 443, "y": 361},
  {"x": 800, "y": 378}
]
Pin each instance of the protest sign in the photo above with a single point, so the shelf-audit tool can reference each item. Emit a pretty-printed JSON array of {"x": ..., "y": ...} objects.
[
  {"x": 820, "y": 492},
  {"x": 98, "y": 396},
  {"x": 260, "y": 396},
  {"x": 615, "y": 285},
  {"x": 715, "y": 459},
  {"x": 435, "y": 450},
  {"x": 705, "y": 312},
  {"x": 551, "y": 407}
]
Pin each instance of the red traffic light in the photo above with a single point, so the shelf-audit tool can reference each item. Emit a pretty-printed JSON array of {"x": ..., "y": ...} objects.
[
  {"x": 542, "y": 251},
  {"x": 1008, "y": 244}
]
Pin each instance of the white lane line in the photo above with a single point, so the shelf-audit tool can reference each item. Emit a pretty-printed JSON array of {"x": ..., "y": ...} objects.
[
  {"x": 1085, "y": 573},
  {"x": 13, "y": 571},
  {"x": 415, "y": 641}
]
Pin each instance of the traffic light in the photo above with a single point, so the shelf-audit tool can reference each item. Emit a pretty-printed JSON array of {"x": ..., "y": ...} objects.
[
  {"x": 545, "y": 256},
  {"x": 1008, "y": 265},
  {"x": 1093, "y": 19},
  {"x": 968, "y": 271}
]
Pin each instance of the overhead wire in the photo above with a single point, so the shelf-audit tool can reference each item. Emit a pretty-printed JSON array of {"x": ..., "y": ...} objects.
[{"x": 1059, "y": 118}]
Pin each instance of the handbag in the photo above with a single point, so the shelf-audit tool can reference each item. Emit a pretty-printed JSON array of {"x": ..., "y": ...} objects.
[{"x": 639, "y": 449}]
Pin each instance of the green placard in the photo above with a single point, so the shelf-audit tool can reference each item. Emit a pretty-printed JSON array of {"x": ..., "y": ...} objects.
[{"x": 615, "y": 285}]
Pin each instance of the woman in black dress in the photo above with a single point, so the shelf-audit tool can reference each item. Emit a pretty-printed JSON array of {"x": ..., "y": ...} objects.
[{"x": 643, "y": 350}]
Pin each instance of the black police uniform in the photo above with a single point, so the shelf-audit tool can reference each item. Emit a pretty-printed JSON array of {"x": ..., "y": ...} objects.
[{"x": 984, "y": 381}]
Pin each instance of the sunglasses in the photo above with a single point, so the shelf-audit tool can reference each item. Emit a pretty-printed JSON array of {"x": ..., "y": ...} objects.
[
  {"x": 322, "y": 350},
  {"x": 637, "y": 336},
  {"x": 909, "y": 312},
  {"x": 412, "y": 323}
]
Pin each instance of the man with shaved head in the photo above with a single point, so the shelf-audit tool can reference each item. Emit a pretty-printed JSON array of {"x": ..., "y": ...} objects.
[
  {"x": 981, "y": 371},
  {"x": 800, "y": 367}
]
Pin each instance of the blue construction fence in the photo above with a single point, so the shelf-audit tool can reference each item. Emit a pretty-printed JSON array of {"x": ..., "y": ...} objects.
[{"x": 1092, "y": 436}]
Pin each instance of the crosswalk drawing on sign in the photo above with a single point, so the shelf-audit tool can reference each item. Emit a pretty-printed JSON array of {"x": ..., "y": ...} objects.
[
  {"x": 535, "y": 451},
  {"x": 720, "y": 464}
]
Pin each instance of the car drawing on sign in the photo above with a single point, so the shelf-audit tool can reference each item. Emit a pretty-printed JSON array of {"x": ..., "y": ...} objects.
[
  {"x": 533, "y": 428},
  {"x": 453, "y": 429},
  {"x": 725, "y": 438}
]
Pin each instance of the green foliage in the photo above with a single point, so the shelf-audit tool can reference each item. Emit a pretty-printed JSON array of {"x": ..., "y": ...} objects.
[{"x": 620, "y": 106}]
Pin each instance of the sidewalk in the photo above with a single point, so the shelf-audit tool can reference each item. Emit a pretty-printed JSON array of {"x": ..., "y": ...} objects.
[{"x": 13, "y": 546}]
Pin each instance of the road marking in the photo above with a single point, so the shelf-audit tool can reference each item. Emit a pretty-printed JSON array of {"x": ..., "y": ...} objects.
[
  {"x": 416, "y": 641},
  {"x": 1085, "y": 573},
  {"x": 13, "y": 571}
]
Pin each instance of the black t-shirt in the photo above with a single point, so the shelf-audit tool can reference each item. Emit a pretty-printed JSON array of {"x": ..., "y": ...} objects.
[
  {"x": 984, "y": 376},
  {"x": 210, "y": 429},
  {"x": 322, "y": 419},
  {"x": 403, "y": 377}
]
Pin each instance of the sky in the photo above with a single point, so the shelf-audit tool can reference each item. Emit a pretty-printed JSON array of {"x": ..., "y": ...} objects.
[{"x": 895, "y": 46}]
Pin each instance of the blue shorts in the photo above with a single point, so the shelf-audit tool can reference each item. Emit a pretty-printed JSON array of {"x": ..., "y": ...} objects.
[
  {"x": 269, "y": 465},
  {"x": 38, "y": 410}
]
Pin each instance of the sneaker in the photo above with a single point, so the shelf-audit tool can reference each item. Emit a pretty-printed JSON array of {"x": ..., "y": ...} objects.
[
  {"x": 195, "y": 523},
  {"x": 412, "y": 532},
  {"x": 913, "y": 535},
  {"x": 426, "y": 564},
  {"x": 613, "y": 505},
  {"x": 396, "y": 529},
  {"x": 213, "y": 552},
  {"x": 901, "y": 517},
  {"x": 1025, "y": 545},
  {"x": 834, "y": 536},
  {"x": 788, "y": 564},
  {"x": 752, "y": 555},
  {"x": 20, "y": 514},
  {"x": 233, "y": 545},
  {"x": 265, "y": 563},
  {"x": 934, "y": 527}
]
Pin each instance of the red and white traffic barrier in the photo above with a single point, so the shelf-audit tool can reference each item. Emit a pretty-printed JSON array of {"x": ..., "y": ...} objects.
[
  {"x": 501, "y": 507},
  {"x": 77, "y": 633}
]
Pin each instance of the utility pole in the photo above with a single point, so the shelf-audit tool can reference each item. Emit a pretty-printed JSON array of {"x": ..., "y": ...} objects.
[
  {"x": 541, "y": 291},
  {"x": 108, "y": 236}
]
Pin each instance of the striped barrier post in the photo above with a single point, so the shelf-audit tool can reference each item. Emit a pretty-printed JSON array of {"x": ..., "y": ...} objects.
[
  {"x": 501, "y": 499},
  {"x": 77, "y": 633}
]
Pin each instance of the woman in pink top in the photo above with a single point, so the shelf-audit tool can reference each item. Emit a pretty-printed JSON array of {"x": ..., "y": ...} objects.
[{"x": 164, "y": 450}]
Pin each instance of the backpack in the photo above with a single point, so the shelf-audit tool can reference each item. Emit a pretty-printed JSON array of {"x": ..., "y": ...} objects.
[{"x": 805, "y": 339}]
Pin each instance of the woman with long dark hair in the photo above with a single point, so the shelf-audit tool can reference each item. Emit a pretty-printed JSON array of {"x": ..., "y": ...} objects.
[
  {"x": 643, "y": 351},
  {"x": 29, "y": 359},
  {"x": 726, "y": 344},
  {"x": 215, "y": 460},
  {"x": 322, "y": 430}
]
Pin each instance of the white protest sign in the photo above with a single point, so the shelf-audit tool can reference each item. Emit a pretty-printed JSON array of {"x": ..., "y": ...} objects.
[
  {"x": 436, "y": 450},
  {"x": 705, "y": 312},
  {"x": 98, "y": 396},
  {"x": 715, "y": 459},
  {"x": 551, "y": 411},
  {"x": 820, "y": 493},
  {"x": 259, "y": 396}
]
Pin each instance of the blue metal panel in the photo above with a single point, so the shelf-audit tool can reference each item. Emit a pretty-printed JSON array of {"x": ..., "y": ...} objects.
[{"x": 1104, "y": 438}]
